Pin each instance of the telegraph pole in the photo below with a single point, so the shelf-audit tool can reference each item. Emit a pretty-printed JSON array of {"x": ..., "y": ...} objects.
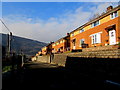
[
  {"x": 9, "y": 39},
  {"x": 9, "y": 43}
]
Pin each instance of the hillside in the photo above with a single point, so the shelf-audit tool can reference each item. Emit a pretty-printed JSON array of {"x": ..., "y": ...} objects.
[{"x": 28, "y": 46}]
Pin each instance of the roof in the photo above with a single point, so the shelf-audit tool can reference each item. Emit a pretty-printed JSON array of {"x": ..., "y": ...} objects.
[
  {"x": 98, "y": 18},
  {"x": 61, "y": 38},
  {"x": 48, "y": 45}
]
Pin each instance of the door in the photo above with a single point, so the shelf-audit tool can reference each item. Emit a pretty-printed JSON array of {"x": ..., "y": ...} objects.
[
  {"x": 74, "y": 42},
  {"x": 74, "y": 47},
  {"x": 112, "y": 37}
]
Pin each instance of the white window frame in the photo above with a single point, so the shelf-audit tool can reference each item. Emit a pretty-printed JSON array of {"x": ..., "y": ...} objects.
[
  {"x": 112, "y": 15},
  {"x": 80, "y": 42},
  {"x": 82, "y": 30},
  {"x": 96, "y": 38},
  {"x": 72, "y": 34},
  {"x": 93, "y": 24}
]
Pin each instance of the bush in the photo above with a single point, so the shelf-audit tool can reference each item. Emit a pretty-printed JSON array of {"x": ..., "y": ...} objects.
[{"x": 119, "y": 43}]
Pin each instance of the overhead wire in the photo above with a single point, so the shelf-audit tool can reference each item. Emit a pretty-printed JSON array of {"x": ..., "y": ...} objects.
[{"x": 5, "y": 25}]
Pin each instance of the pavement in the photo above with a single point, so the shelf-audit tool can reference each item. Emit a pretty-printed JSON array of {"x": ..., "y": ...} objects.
[{"x": 39, "y": 75}]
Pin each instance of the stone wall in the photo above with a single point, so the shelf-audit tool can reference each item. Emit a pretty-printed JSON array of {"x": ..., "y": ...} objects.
[
  {"x": 44, "y": 58},
  {"x": 60, "y": 59}
]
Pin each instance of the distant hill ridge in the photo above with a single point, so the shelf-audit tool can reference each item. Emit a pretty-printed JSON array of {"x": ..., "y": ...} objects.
[{"x": 28, "y": 46}]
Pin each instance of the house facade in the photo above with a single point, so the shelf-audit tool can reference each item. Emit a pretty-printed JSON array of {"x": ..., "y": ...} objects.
[
  {"x": 101, "y": 31},
  {"x": 44, "y": 50},
  {"x": 61, "y": 45},
  {"x": 47, "y": 49}
]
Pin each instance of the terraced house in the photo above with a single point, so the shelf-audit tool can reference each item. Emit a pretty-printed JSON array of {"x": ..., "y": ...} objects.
[
  {"x": 44, "y": 50},
  {"x": 61, "y": 45},
  {"x": 101, "y": 31},
  {"x": 47, "y": 49}
]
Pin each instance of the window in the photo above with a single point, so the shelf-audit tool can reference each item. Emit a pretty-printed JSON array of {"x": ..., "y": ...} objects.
[
  {"x": 59, "y": 42},
  {"x": 53, "y": 44},
  {"x": 74, "y": 41},
  {"x": 95, "y": 23},
  {"x": 114, "y": 15},
  {"x": 82, "y": 42},
  {"x": 96, "y": 38},
  {"x": 72, "y": 34},
  {"x": 82, "y": 30},
  {"x": 111, "y": 15}
]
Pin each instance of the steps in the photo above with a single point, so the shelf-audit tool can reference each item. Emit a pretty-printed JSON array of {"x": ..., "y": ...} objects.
[{"x": 108, "y": 53}]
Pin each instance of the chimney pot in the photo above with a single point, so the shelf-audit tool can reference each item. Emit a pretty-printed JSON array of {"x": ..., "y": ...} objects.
[
  {"x": 109, "y": 8},
  {"x": 67, "y": 34}
]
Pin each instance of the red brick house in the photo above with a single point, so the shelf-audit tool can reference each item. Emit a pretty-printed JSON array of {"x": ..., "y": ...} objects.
[
  {"x": 61, "y": 45},
  {"x": 101, "y": 31}
]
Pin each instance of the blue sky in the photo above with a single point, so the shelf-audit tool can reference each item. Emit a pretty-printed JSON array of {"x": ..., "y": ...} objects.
[
  {"x": 43, "y": 10},
  {"x": 48, "y": 21}
]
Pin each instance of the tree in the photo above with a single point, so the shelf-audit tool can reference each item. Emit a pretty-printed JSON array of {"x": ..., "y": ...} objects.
[{"x": 96, "y": 15}]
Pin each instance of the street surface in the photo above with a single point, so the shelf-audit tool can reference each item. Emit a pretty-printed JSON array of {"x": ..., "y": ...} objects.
[{"x": 38, "y": 75}]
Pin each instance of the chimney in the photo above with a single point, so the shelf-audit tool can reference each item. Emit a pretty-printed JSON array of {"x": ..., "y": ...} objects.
[
  {"x": 109, "y": 8},
  {"x": 68, "y": 34}
]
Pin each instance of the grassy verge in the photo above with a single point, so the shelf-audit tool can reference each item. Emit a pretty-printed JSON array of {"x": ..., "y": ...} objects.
[
  {"x": 6, "y": 69},
  {"x": 67, "y": 52}
]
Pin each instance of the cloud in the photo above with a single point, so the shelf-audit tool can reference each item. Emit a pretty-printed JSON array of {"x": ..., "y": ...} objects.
[{"x": 53, "y": 28}]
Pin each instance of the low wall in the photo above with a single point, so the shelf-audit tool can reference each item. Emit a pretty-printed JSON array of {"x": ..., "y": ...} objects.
[
  {"x": 60, "y": 59},
  {"x": 44, "y": 58}
]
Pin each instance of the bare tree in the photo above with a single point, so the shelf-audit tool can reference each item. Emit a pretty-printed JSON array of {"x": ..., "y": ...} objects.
[{"x": 96, "y": 15}]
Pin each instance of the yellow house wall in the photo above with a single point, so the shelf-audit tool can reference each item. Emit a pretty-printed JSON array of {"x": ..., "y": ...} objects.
[
  {"x": 61, "y": 41},
  {"x": 53, "y": 45},
  {"x": 71, "y": 34},
  {"x": 76, "y": 32},
  {"x": 57, "y": 43},
  {"x": 118, "y": 12},
  {"x": 105, "y": 19},
  {"x": 87, "y": 27}
]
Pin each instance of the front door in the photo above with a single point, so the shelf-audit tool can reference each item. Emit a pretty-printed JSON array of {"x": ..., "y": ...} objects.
[
  {"x": 74, "y": 47},
  {"x": 112, "y": 37},
  {"x": 74, "y": 42}
]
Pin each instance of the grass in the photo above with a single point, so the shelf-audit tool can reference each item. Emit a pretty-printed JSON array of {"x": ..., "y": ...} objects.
[
  {"x": 6, "y": 68},
  {"x": 67, "y": 52}
]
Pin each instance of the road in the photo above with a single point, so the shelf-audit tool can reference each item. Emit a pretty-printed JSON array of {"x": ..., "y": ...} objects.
[{"x": 38, "y": 75}]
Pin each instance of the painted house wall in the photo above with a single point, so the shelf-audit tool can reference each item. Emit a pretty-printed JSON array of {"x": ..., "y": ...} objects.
[
  {"x": 104, "y": 22},
  {"x": 58, "y": 45},
  {"x": 44, "y": 50},
  {"x": 64, "y": 43}
]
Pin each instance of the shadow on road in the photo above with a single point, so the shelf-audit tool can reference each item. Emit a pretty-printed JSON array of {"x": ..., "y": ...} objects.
[{"x": 78, "y": 73}]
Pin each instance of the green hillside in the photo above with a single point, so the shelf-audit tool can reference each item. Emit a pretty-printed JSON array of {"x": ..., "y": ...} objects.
[{"x": 28, "y": 46}]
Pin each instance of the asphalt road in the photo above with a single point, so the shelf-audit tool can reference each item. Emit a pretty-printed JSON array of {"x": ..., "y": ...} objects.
[{"x": 40, "y": 76}]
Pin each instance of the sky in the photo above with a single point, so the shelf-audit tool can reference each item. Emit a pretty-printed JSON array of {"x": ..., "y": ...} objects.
[{"x": 48, "y": 21}]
